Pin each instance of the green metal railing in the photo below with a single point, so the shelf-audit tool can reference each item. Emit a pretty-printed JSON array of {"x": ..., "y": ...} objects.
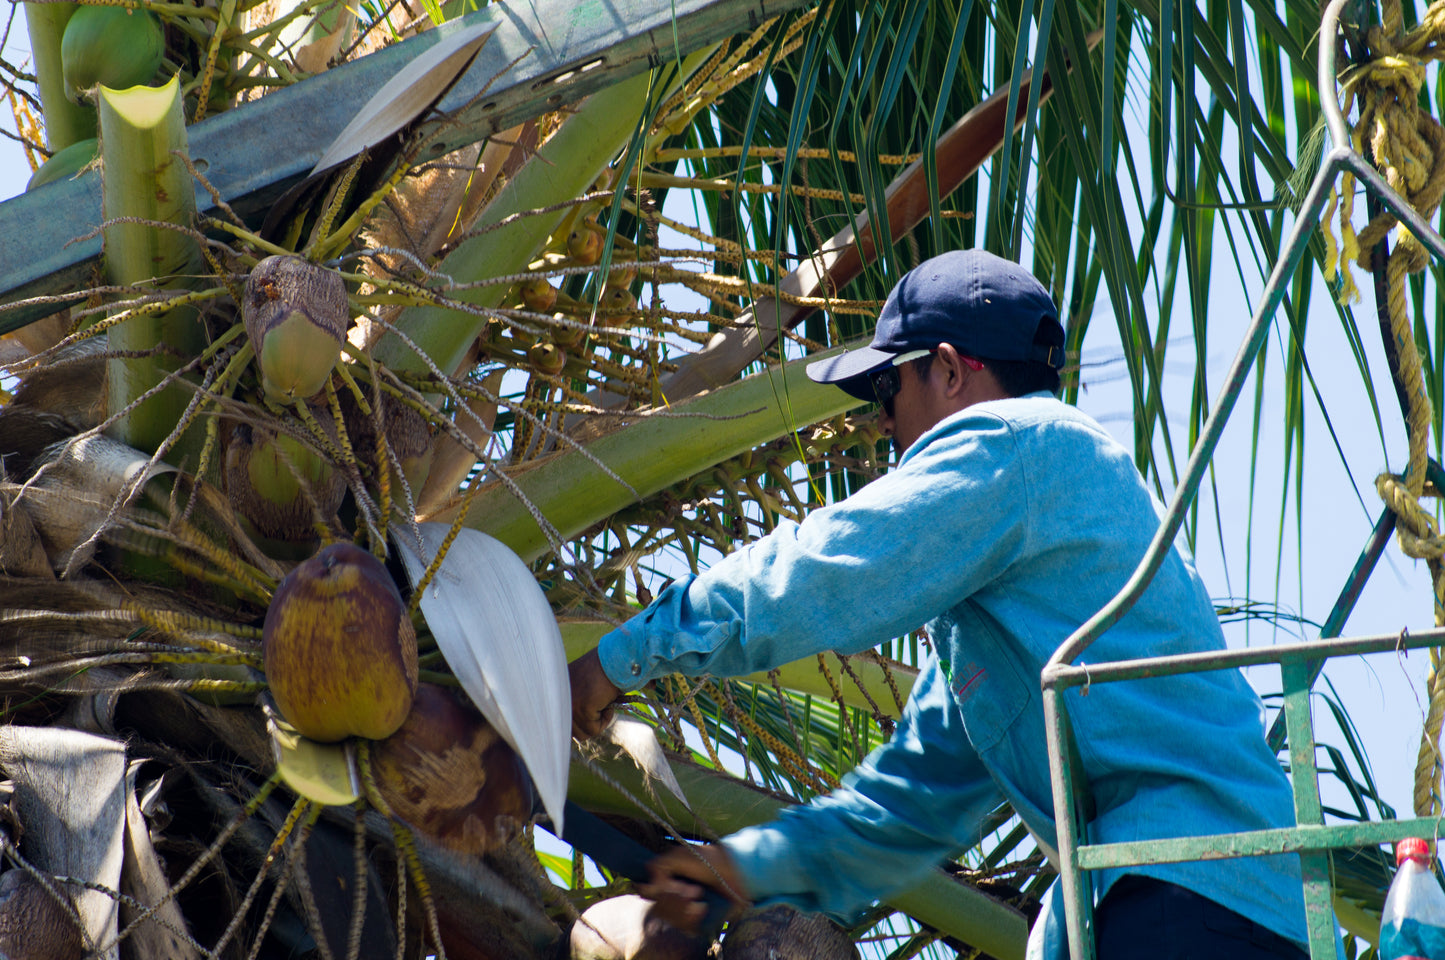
[{"x": 1299, "y": 663}]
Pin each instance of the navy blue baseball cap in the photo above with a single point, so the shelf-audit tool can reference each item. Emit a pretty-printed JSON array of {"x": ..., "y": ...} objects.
[{"x": 986, "y": 306}]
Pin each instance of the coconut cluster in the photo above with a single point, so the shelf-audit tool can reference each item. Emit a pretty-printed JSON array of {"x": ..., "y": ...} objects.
[{"x": 340, "y": 657}]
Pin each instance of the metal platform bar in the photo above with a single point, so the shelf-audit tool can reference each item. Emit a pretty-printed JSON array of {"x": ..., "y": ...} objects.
[
  {"x": 1305, "y": 780},
  {"x": 1282, "y": 653},
  {"x": 1344, "y": 605},
  {"x": 1256, "y": 843}
]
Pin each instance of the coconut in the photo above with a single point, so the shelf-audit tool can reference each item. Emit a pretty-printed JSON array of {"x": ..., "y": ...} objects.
[
  {"x": 116, "y": 46},
  {"x": 623, "y": 274},
  {"x": 33, "y": 924},
  {"x": 538, "y": 294},
  {"x": 584, "y": 243},
  {"x": 448, "y": 774},
  {"x": 296, "y": 314},
  {"x": 619, "y": 306},
  {"x": 618, "y": 298},
  {"x": 338, "y": 647},
  {"x": 780, "y": 932},
  {"x": 269, "y": 493},
  {"x": 568, "y": 334},
  {"x": 625, "y": 928},
  {"x": 546, "y": 358},
  {"x": 407, "y": 432},
  {"x": 65, "y": 163}
]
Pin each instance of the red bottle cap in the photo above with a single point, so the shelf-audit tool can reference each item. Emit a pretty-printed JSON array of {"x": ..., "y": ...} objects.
[{"x": 1412, "y": 848}]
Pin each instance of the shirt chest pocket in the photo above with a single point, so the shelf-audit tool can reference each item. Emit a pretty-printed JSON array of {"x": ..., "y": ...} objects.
[{"x": 987, "y": 684}]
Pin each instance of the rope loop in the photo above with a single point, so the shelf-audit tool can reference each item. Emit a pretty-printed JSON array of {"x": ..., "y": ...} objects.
[
  {"x": 1405, "y": 142},
  {"x": 1416, "y": 528}
]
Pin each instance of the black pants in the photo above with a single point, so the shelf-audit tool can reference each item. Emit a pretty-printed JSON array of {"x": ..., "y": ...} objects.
[{"x": 1149, "y": 919}]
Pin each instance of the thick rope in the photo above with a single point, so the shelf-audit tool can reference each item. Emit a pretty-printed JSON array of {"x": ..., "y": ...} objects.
[
  {"x": 1407, "y": 146},
  {"x": 1404, "y": 140}
]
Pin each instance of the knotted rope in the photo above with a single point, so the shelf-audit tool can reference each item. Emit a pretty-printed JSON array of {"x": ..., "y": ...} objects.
[{"x": 1408, "y": 147}]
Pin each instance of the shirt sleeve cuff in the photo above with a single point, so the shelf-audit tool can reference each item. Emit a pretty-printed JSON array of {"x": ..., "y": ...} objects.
[
  {"x": 621, "y": 659},
  {"x": 767, "y": 870}
]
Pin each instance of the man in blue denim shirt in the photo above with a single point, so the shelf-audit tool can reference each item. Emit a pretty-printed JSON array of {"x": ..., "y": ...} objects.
[{"x": 1008, "y": 521}]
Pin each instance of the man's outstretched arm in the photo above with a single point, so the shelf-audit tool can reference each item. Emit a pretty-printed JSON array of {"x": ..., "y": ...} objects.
[
  {"x": 915, "y": 801},
  {"x": 897, "y": 553}
]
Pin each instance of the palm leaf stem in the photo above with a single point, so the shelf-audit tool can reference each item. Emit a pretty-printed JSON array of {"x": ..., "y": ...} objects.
[
  {"x": 143, "y": 134},
  {"x": 65, "y": 122},
  {"x": 565, "y": 166}
]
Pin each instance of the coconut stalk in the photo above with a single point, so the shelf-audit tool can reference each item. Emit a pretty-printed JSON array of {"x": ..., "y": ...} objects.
[
  {"x": 565, "y": 166},
  {"x": 142, "y": 135},
  {"x": 652, "y": 453},
  {"x": 65, "y": 122},
  {"x": 451, "y": 461}
]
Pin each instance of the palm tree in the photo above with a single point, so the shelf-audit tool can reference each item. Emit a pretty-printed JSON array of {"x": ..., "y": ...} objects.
[{"x": 576, "y": 327}]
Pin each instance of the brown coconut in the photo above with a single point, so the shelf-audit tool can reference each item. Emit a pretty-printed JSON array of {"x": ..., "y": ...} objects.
[
  {"x": 33, "y": 924},
  {"x": 625, "y": 928},
  {"x": 338, "y": 647},
  {"x": 407, "y": 432},
  {"x": 780, "y": 932},
  {"x": 450, "y": 775},
  {"x": 280, "y": 500}
]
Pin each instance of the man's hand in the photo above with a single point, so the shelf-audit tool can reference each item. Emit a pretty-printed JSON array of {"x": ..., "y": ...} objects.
[
  {"x": 678, "y": 878},
  {"x": 593, "y": 696}
]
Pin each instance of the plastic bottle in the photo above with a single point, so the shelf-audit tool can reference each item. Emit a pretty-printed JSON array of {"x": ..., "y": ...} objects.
[{"x": 1413, "y": 924}]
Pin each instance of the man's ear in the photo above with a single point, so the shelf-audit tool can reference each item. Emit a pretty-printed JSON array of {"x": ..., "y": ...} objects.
[{"x": 953, "y": 372}]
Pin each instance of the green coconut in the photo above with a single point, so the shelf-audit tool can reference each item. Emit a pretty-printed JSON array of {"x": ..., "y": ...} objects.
[
  {"x": 278, "y": 484},
  {"x": 295, "y": 314},
  {"x": 115, "y": 46},
  {"x": 65, "y": 163}
]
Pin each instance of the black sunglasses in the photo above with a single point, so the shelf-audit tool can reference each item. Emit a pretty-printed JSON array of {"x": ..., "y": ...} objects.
[{"x": 886, "y": 381}]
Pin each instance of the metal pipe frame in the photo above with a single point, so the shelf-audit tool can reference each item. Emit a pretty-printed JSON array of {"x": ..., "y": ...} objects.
[
  {"x": 1058, "y": 673},
  {"x": 1286, "y": 654},
  {"x": 1334, "y": 624},
  {"x": 1341, "y": 158},
  {"x": 1257, "y": 843}
]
